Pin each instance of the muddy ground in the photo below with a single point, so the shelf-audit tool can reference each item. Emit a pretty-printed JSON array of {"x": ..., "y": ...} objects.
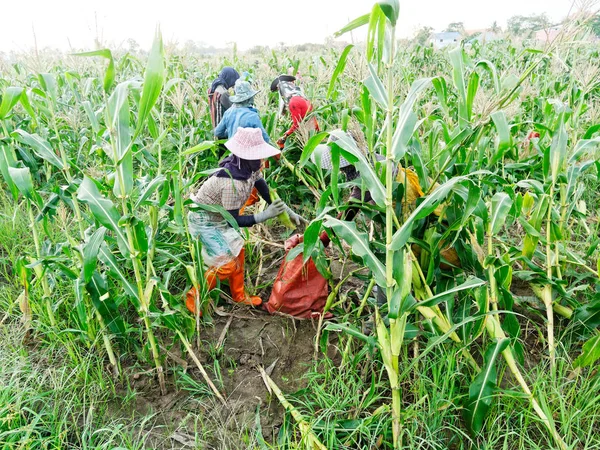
[{"x": 282, "y": 345}]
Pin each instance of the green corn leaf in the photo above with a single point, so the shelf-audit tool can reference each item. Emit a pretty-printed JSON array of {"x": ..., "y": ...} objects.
[
  {"x": 471, "y": 283},
  {"x": 391, "y": 9},
  {"x": 376, "y": 87},
  {"x": 105, "y": 304},
  {"x": 149, "y": 189},
  {"x": 90, "y": 253},
  {"x": 119, "y": 120},
  {"x": 493, "y": 72},
  {"x": 351, "y": 331},
  {"x": 356, "y": 23},
  {"x": 103, "y": 210},
  {"x": 87, "y": 107},
  {"x": 339, "y": 68},
  {"x": 355, "y": 156},
  {"x": 40, "y": 147},
  {"x": 427, "y": 206},
  {"x": 8, "y": 159},
  {"x": 471, "y": 93},
  {"x": 359, "y": 241},
  {"x": 555, "y": 156},
  {"x": 504, "y": 137},
  {"x": 48, "y": 82},
  {"x": 203, "y": 146},
  {"x": 407, "y": 121},
  {"x": 114, "y": 269},
  {"x": 456, "y": 58},
  {"x": 109, "y": 76},
  {"x": 590, "y": 353},
  {"x": 153, "y": 80},
  {"x": 501, "y": 204},
  {"x": 10, "y": 98},
  {"x": 311, "y": 239},
  {"x": 310, "y": 146},
  {"x": 21, "y": 177},
  {"x": 483, "y": 387},
  {"x": 27, "y": 105}
]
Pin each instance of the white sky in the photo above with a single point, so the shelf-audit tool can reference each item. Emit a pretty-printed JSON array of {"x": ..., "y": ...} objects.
[{"x": 72, "y": 23}]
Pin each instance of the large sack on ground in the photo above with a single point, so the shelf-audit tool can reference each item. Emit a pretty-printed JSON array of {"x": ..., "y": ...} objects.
[{"x": 299, "y": 289}]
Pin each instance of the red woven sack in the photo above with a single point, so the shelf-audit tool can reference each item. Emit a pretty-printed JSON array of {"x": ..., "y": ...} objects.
[{"x": 299, "y": 289}]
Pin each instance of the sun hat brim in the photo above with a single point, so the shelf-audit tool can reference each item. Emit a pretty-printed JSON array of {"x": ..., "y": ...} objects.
[
  {"x": 239, "y": 98},
  {"x": 287, "y": 78},
  {"x": 323, "y": 152},
  {"x": 260, "y": 151}
]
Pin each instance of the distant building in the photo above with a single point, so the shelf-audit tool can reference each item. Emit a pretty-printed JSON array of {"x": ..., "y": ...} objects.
[
  {"x": 547, "y": 35},
  {"x": 441, "y": 40}
]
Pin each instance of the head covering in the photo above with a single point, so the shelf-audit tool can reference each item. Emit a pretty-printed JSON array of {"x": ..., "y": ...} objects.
[
  {"x": 248, "y": 143},
  {"x": 226, "y": 78},
  {"x": 243, "y": 92},
  {"x": 238, "y": 168},
  {"x": 275, "y": 83}
]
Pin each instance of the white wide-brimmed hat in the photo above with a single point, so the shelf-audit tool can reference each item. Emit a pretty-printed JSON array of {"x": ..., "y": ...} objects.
[
  {"x": 248, "y": 143},
  {"x": 323, "y": 152}
]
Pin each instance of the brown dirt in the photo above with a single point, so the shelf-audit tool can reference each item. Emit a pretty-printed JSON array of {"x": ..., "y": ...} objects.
[{"x": 252, "y": 338}]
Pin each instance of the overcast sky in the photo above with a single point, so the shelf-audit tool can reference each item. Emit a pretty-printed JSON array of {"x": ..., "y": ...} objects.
[{"x": 75, "y": 23}]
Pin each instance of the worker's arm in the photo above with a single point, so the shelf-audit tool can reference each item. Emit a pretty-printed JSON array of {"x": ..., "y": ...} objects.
[
  {"x": 263, "y": 189},
  {"x": 224, "y": 99}
]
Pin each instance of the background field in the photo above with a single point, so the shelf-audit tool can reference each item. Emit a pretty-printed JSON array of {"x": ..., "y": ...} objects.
[{"x": 497, "y": 295}]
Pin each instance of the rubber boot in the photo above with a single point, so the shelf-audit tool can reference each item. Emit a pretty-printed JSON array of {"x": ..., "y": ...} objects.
[
  {"x": 236, "y": 285},
  {"x": 190, "y": 297}
]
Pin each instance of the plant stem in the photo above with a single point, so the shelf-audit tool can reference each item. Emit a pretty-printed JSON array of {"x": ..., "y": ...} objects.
[
  {"x": 547, "y": 291},
  {"x": 42, "y": 275},
  {"x": 188, "y": 347},
  {"x": 495, "y": 330}
]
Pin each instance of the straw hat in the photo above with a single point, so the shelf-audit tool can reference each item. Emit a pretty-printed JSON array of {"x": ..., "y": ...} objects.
[
  {"x": 248, "y": 143},
  {"x": 243, "y": 91}
]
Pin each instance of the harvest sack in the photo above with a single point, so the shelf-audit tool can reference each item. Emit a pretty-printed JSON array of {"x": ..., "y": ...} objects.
[{"x": 299, "y": 289}]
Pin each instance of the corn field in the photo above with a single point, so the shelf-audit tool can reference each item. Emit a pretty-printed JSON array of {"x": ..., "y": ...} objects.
[{"x": 488, "y": 335}]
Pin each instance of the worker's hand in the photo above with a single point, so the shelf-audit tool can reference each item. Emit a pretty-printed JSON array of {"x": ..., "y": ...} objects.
[
  {"x": 281, "y": 143},
  {"x": 273, "y": 210},
  {"x": 296, "y": 218}
]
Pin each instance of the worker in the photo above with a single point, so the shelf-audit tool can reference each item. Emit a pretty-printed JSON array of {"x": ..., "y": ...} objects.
[
  {"x": 223, "y": 245},
  {"x": 322, "y": 153},
  {"x": 218, "y": 94},
  {"x": 242, "y": 114},
  {"x": 292, "y": 97}
]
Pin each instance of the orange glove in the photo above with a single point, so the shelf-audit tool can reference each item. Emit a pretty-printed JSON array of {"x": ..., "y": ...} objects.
[{"x": 281, "y": 143}]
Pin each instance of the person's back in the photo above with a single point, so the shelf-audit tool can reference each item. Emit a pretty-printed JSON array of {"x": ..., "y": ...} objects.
[{"x": 239, "y": 117}]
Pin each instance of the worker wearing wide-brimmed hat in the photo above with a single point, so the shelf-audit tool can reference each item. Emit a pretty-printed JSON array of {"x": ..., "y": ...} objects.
[
  {"x": 223, "y": 245},
  {"x": 292, "y": 98},
  {"x": 242, "y": 114}
]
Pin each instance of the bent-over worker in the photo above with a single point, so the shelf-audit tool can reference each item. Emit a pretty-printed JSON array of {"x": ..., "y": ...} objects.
[{"x": 223, "y": 245}]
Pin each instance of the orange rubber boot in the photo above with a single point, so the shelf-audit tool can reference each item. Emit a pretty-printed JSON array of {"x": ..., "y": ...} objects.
[
  {"x": 190, "y": 297},
  {"x": 236, "y": 284}
]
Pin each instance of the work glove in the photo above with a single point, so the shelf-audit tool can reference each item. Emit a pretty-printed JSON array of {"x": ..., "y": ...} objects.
[
  {"x": 296, "y": 218},
  {"x": 273, "y": 210}
]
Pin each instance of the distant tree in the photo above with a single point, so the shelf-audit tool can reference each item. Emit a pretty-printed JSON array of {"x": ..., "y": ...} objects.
[
  {"x": 495, "y": 28},
  {"x": 422, "y": 35},
  {"x": 524, "y": 26},
  {"x": 456, "y": 26}
]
